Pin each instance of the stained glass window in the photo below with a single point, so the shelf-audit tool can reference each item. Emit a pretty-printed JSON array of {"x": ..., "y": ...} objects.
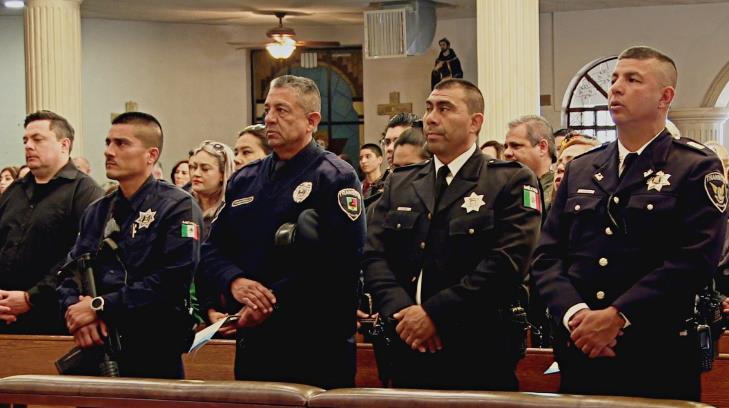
[{"x": 587, "y": 108}]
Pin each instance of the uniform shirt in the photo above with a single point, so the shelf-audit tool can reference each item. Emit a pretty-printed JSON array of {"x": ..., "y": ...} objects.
[
  {"x": 158, "y": 234},
  {"x": 38, "y": 225}
]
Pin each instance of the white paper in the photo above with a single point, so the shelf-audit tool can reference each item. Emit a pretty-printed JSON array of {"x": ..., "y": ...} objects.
[
  {"x": 553, "y": 369},
  {"x": 204, "y": 335}
]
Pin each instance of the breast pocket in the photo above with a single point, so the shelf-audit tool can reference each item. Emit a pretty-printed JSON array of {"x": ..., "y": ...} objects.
[
  {"x": 400, "y": 221},
  {"x": 586, "y": 214},
  {"x": 472, "y": 226},
  {"x": 651, "y": 214}
]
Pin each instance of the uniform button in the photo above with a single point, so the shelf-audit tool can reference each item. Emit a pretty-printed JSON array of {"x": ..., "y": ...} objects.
[
  {"x": 413, "y": 279},
  {"x": 471, "y": 231},
  {"x": 616, "y": 200},
  {"x": 603, "y": 261},
  {"x": 608, "y": 231},
  {"x": 422, "y": 245},
  {"x": 430, "y": 215},
  {"x": 577, "y": 207},
  {"x": 649, "y": 207},
  {"x": 600, "y": 295},
  {"x": 398, "y": 226}
]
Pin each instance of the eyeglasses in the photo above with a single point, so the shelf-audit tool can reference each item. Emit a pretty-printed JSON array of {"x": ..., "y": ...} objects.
[
  {"x": 217, "y": 146},
  {"x": 212, "y": 147},
  {"x": 253, "y": 128}
]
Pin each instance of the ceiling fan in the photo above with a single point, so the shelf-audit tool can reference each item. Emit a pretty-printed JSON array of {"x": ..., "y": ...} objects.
[{"x": 281, "y": 42}]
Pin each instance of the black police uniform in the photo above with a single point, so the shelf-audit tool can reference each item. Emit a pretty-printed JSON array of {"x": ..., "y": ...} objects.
[
  {"x": 145, "y": 283},
  {"x": 644, "y": 243},
  {"x": 38, "y": 225},
  {"x": 473, "y": 251},
  {"x": 309, "y": 336}
]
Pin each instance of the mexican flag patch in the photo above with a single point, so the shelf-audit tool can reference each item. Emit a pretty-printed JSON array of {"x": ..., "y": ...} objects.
[
  {"x": 190, "y": 230},
  {"x": 531, "y": 198}
]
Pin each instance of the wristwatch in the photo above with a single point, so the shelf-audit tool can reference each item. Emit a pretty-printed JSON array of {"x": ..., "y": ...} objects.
[{"x": 97, "y": 304}]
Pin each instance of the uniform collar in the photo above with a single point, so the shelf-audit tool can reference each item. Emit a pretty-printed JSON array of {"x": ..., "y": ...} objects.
[
  {"x": 301, "y": 159},
  {"x": 623, "y": 151},
  {"x": 136, "y": 200},
  {"x": 455, "y": 166}
]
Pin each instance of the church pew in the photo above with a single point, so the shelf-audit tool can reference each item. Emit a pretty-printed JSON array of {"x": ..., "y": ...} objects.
[{"x": 36, "y": 355}]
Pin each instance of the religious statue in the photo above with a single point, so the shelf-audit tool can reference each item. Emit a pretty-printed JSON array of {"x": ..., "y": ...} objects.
[{"x": 447, "y": 65}]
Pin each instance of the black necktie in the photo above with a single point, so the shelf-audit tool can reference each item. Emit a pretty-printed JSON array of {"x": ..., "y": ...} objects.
[
  {"x": 627, "y": 162},
  {"x": 277, "y": 169},
  {"x": 440, "y": 184}
]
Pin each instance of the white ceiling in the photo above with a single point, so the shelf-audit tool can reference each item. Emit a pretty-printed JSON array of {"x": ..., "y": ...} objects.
[{"x": 319, "y": 12}]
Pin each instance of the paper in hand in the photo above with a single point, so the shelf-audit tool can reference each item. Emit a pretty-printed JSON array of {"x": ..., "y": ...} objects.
[{"x": 206, "y": 334}]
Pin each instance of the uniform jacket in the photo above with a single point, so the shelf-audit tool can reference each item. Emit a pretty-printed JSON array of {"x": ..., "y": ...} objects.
[
  {"x": 473, "y": 249},
  {"x": 645, "y": 243},
  {"x": 147, "y": 286},
  {"x": 314, "y": 282},
  {"x": 38, "y": 225}
]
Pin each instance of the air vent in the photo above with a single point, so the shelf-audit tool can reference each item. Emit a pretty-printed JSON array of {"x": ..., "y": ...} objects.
[{"x": 385, "y": 33}]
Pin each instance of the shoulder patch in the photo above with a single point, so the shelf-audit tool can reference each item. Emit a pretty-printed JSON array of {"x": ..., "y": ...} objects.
[
  {"x": 350, "y": 201},
  {"x": 715, "y": 187}
]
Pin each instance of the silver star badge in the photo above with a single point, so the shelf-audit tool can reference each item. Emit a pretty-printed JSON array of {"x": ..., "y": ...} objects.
[
  {"x": 473, "y": 202},
  {"x": 658, "y": 181},
  {"x": 146, "y": 218}
]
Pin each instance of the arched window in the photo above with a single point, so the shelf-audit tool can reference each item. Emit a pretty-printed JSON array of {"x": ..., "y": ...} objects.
[{"x": 586, "y": 107}]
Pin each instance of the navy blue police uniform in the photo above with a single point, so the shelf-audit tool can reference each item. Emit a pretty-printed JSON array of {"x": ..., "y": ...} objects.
[
  {"x": 645, "y": 243},
  {"x": 472, "y": 250},
  {"x": 145, "y": 282},
  {"x": 309, "y": 336}
]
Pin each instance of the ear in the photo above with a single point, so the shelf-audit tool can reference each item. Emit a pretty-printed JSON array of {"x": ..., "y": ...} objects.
[
  {"x": 667, "y": 96},
  {"x": 476, "y": 123},
  {"x": 313, "y": 119},
  {"x": 66, "y": 145},
  {"x": 543, "y": 146},
  {"x": 153, "y": 153}
]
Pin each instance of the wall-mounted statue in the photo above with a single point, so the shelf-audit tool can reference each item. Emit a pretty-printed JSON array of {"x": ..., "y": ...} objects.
[{"x": 447, "y": 64}]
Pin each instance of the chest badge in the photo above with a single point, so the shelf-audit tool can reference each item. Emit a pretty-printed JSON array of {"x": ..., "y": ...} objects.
[
  {"x": 145, "y": 219},
  {"x": 302, "y": 191},
  {"x": 658, "y": 181},
  {"x": 473, "y": 202}
]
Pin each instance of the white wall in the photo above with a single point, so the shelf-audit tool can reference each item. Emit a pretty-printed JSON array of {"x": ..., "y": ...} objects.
[
  {"x": 695, "y": 36},
  {"x": 12, "y": 91}
]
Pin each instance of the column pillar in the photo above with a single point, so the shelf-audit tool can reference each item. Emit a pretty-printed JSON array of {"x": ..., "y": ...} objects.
[
  {"x": 508, "y": 62},
  {"x": 53, "y": 60},
  {"x": 700, "y": 124}
]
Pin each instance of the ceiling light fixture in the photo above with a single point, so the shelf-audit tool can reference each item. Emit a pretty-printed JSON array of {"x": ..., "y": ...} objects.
[
  {"x": 14, "y": 4},
  {"x": 281, "y": 48}
]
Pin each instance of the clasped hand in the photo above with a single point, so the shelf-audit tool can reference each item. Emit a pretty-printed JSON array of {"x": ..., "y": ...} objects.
[
  {"x": 595, "y": 332},
  {"x": 417, "y": 329}
]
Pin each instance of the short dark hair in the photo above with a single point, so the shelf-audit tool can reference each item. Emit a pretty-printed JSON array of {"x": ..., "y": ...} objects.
[
  {"x": 642, "y": 52},
  {"x": 259, "y": 131},
  {"x": 174, "y": 169},
  {"x": 445, "y": 40},
  {"x": 373, "y": 148},
  {"x": 562, "y": 132},
  {"x": 153, "y": 138},
  {"x": 402, "y": 119},
  {"x": 414, "y": 137},
  {"x": 474, "y": 97},
  {"x": 58, "y": 124},
  {"x": 496, "y": 145}
]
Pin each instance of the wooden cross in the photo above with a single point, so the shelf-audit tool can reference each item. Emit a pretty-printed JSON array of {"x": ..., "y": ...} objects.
[
  {"x": 129, "y": 106},
  {"x": 394, "y": 106}
]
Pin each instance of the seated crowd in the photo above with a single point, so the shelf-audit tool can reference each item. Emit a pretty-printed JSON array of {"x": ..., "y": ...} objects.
[{"x": 443, "y": 249}]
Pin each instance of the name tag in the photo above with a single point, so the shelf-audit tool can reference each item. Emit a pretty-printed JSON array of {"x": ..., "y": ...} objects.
[
  {"x": 241, "y": 201},
  {"x": 404, "y": 209},
  {"x": 585, "y": 191}
]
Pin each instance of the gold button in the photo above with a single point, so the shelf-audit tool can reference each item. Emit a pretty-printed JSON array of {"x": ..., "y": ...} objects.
[
  {"x": 414, "y": 279},
  {"x": 422, "y": 245},
  {"x": 430, "y": 215},
  {"x": 649, "y": 207},
  {"x": 399, "y": 226},
  {"x": 608, "y": 231},
  {"x": 577, "y": 207},
  {"x": 616, "y": 200},
  {"x": 471, "y": 231},
  {"x": 600, "y": 295},
  {"x": 603, "y": 261}
]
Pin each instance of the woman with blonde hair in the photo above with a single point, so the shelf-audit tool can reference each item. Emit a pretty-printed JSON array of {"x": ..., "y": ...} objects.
[{"x": 211, "y": 165}]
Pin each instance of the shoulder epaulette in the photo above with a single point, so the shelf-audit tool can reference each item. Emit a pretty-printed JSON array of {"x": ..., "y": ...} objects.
[
  {"x": 691, "y": 144},
  {"x": 503, "y": 163},
  {"x": 412, "y": 166}
]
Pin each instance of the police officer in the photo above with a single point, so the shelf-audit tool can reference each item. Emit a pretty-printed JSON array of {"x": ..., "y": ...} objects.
[
  {"x": 446, "y": 252},
  {"x": 298, "y": 306},
  {"x": 635, "y": 231},
  {"x": 144, "y": 240}
]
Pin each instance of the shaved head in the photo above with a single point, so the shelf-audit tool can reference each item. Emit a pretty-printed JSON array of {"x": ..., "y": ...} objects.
[{"x": 665, "y": 68}]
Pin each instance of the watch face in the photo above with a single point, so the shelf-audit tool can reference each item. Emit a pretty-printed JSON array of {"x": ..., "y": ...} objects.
[{"x": 97, "y": 303}]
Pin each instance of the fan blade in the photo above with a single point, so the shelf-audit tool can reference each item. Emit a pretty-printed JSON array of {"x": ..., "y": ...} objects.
[
  {"x": 244, "y": 45},
  {"x": 314, "y": 44}
]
